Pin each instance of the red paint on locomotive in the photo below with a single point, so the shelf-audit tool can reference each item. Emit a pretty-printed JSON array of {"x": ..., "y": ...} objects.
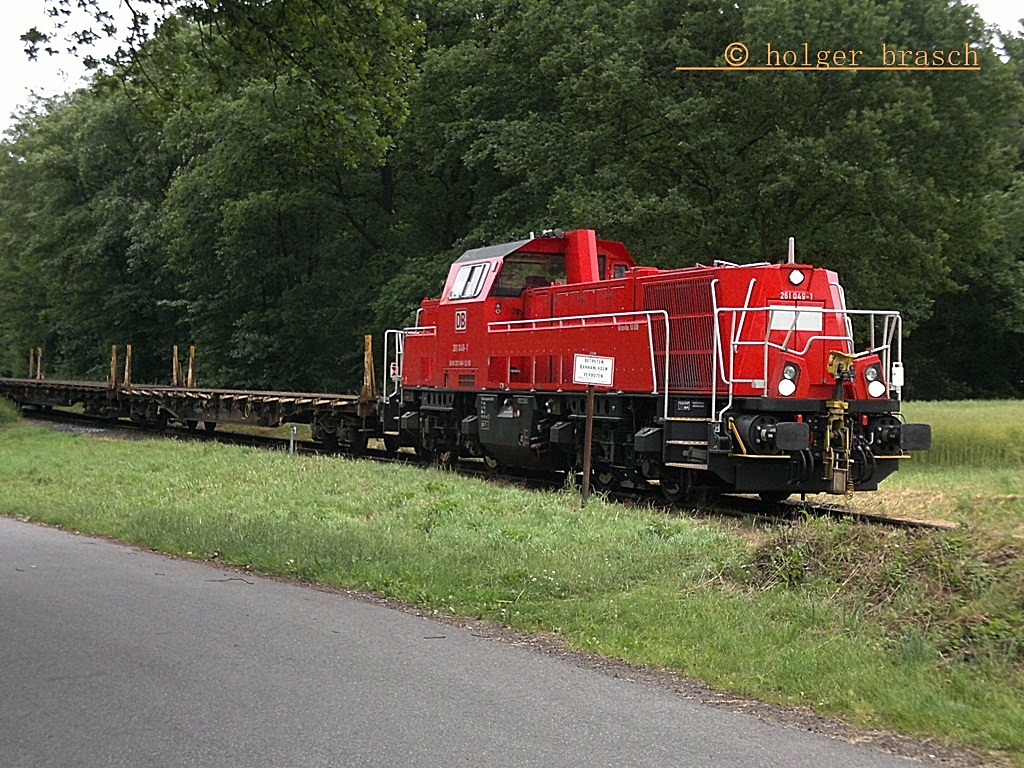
[
  {"x": 512, "y": 317},
  {"x": 716, "y": 369}
]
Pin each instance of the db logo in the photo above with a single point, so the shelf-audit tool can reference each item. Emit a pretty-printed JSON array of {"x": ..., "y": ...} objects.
[{"x": 460, "y": 320}]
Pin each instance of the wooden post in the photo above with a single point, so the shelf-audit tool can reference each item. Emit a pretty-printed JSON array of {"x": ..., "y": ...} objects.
[
  {"x": 190, "y": 382},
  {"x": 175, "y": 369},
  {"x": 588, "y": 436},
  {"x": 369, "y": 377},
  {"x": 39, "y": 364},
  {"x": 368, "y": 394},
  {"x": 112, "y": 378},
  {"x": 31, "y": 362},
  {"x": 128, "y": 365}
]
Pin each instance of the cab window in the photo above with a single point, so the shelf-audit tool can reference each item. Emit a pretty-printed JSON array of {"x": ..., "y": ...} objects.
[
  {"x": 468, "y": 282},
  {"x": 528, "y": 270}
]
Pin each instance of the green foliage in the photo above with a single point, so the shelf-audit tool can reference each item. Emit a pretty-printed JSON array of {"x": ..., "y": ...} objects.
[
  {"x": 213, "y": 190},
  {"x": 961, "y": 595},
  {"x": 344, "y": 62},
  {"x": 274, "y": 181},
  {"x": 78, "y": 183},
  {"x": 8, "y": 413}
]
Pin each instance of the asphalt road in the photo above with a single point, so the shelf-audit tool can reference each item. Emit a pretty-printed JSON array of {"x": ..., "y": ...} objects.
[{"x": 111, "y": 656}]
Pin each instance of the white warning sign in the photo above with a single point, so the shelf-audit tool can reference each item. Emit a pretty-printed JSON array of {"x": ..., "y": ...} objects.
[{"x": 589, "y": 369}]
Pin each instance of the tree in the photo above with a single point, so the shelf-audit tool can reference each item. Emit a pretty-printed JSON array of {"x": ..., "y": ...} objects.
[
  {"x": 272, "y": 114},
  {"x": 295, "y": 197},
  {"x": 265, "y": 249},
  {"x": 348, "y": 61},
  {"x": 973, "y": 344},
  {"x": 77, "y": 185},
  {"x": 572, "y": 114}
]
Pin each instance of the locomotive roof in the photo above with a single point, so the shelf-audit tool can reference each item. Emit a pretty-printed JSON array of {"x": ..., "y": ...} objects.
[{"x": 492, "y": 251}]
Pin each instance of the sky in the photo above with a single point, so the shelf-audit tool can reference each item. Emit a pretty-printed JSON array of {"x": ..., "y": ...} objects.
[{"x": 53, "y": 75}]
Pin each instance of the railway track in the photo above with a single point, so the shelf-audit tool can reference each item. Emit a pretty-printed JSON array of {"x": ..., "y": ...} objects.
[{"x": 728, "y": 505}]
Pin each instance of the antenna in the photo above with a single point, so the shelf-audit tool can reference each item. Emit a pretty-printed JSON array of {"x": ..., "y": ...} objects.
[{"x": 792, "y": 250}]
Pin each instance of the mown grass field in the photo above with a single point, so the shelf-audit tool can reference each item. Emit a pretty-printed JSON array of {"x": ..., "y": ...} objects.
[{"x": 920, "y": 632}]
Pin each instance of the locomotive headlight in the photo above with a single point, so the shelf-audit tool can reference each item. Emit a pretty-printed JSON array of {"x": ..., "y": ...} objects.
[
  {"x": 876, "y": 387},
  {"x": 787, "y": 386},
  {"x": 796, "y": 277}
]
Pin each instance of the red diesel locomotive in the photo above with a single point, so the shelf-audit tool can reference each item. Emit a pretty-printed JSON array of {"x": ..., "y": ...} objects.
[{"x": 752, "y": 378}]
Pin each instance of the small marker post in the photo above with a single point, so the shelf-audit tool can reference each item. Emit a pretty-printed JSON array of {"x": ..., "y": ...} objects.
[
  {"x": 592, "y": 371},
  {"x": 588, "y": 437}
]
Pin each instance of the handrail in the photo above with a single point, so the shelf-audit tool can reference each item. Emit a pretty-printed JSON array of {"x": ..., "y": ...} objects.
[
  {"x": 398, "y": 336},
  {"x": 612, "y": 318},
  {"x": 892, "y": 331},
  {"x": 716, "y": 353},
  {"x": 885, "y": 341}
]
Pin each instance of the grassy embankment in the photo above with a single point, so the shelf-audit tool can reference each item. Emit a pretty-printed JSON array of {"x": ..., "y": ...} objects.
[{"x": 920, "y": 632}]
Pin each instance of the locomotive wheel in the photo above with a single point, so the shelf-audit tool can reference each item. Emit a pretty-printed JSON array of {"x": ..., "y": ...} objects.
[
  {"x": 673, "y": 487},
  {"x": 492, "y": 464},
  {"x": 672, "y": 491},
  {"x": 392, "y": 443},
  {"x": 358, "y": 446},
  {"x": 773, "y": 497}
]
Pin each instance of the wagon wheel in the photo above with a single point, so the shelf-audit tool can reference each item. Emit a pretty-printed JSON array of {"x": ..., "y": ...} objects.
[
  {"x": 446, "y": 456},
  {"x": 604, "y": 479},
  {"x": 392, "y": 443},
  {"x": 210, "y": 426},
  {"x": 357, "y": 440},
  {"x": 329, "y": 440},
  {"x": 773, "y": 497}
]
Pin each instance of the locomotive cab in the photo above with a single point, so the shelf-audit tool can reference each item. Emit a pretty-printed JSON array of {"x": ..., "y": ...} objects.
[{"x": 499, "y": 285}]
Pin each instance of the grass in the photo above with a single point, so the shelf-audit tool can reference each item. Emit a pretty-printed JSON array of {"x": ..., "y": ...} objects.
[
  {"x": 972, "y": 434},
  {"x": 921, "y": 632}
]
